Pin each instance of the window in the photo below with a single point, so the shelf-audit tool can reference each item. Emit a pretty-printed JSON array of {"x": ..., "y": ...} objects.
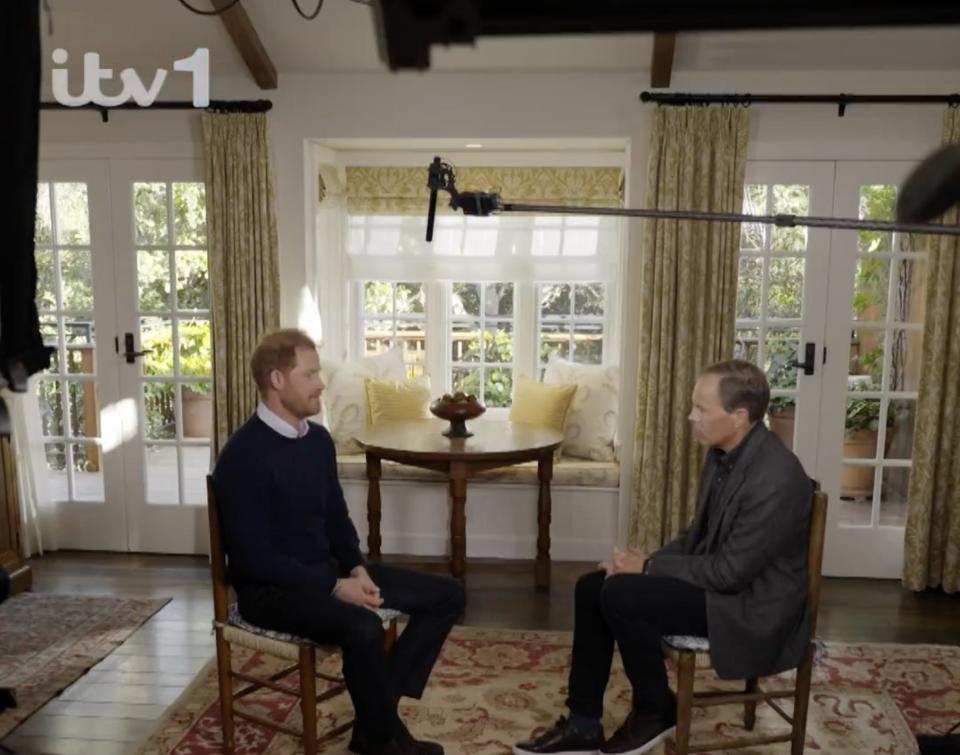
[
  {"x": 572, "y": 321},
  {"x": 481, "y": 341},
  {"x": 395, "y": 313},
  {"x": 493, "y": 296}
]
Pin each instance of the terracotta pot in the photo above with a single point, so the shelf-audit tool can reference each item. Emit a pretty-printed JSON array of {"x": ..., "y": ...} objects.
[
  {"x": 857, "y": 482},
  {"x": 781, "y": 425},
  {"x": 197, "y": 414}
]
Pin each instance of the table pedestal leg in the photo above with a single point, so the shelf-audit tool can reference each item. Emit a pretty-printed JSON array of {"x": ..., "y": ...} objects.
[
  {"x": 373, "y": 507},
  {"x": 458, "y": 523},
  {"x": 544, "y": 474}
]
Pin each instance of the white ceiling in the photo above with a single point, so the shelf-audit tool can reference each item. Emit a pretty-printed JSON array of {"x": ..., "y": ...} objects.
[{"x": 149, "y": 34}]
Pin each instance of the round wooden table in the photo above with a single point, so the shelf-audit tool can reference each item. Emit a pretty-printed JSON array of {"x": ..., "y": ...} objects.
[{"x": 419, "y": 443}]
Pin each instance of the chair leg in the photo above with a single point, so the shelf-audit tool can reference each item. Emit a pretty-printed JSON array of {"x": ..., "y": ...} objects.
[
  {"x": 801, "y": 702},
  {"x": 390, "y": 637},
  {"x": 308, "y": 698},
  {"x": 750, "y": 708},
  {"x": 226, "y": 691},
  {"x": 686, "y": 666}
]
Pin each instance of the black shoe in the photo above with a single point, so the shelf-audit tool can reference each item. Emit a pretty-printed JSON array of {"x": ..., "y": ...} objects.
[
  {"x": 560, "y": 739},
  {"x": 403, "y": 743},
  {"x": 641, "y": 732}
]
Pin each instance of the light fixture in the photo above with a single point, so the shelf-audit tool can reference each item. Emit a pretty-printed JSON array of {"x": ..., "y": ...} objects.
[{"x": 473, "y": 145}]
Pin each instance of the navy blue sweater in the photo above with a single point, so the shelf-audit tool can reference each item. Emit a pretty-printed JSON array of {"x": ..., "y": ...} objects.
[{"x": 282, "y": 512}]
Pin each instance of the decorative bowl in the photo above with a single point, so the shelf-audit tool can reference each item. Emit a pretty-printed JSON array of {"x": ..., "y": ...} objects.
[{"x": 457, "y": 409}]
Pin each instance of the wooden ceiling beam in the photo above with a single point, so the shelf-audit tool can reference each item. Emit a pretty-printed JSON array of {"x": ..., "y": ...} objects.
[
  {"x": 248, "y": 44},
  {"x": 661, "y": 63}
]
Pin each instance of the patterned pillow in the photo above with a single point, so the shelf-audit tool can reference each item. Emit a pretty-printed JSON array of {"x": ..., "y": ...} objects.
[
  {"x": 344, "y": 399},
  {"x": 396, "y": 400},
  {"x": 592, "y": 422}
]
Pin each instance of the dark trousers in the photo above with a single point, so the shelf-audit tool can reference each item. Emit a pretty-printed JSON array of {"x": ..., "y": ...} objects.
[
  {"x": 635, "y": 611},
  {"x": 433, "y": 604}
]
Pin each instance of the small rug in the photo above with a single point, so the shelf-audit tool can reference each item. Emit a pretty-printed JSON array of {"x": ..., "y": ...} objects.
[
  {"x": 491, "y": 688},
  {"x": 48, "y": 641}
]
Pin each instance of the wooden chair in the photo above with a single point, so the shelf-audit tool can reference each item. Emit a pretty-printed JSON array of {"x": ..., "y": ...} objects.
[
  {"x": 231, "y": 629},
  {"x": 687, "y": 651}
]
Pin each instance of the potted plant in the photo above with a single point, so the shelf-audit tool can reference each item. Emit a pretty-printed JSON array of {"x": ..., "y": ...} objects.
[
  {"x": 197, "y": 398},
  {"x": 782, "y": 409},
  {"x": 861, "y": 426}
]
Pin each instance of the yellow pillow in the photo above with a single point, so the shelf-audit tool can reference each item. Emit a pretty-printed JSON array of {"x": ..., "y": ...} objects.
[
  {"x": 540, "y": 404},
  {"x": 396, "y": 400}
]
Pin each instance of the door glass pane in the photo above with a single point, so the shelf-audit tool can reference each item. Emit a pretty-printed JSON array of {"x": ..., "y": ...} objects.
[
  {"x": 195, "y": 355},
  {"x": 876, "y": 203},
  {"x": 906, "y": 352},
  {"x": 56, "y": 454},
  {"x": 87, "y": 472},
  {"x": 870, "y": 289},
  {"x": 197, "y": 406},
  {"x": 866, "y": 359},
  {"x": 782, "y": 418},
  {"x": 192, "y": 284},
  {"x": 84, "y": 409},
  {"x": 785, "y": 289},
  {"x": 498, "y": 386},
  {"x": 156, "y": 334},
  {"x": 73, "y": 218},
  {"x": 162, "y": 474},
  {"x": 790, "y": 200},
  {"x": 782, "y": 348},
  {"x": 747, "y": 345},
  {"x": 46, "y": 298},
  {"x": 894, "y": 492},
  {"x": 43, "y": 223},
  {"x": 51, "y": 337},
  {"x": 76, "y": 279},
  {"x": 498, "y": 343},
  {"x": 753, "y": 235},
  {"x": 196, "y": 466},
  {"x": 749, "y": 284},
  {"x": 80, "y": 336},
  {"x": 150, "y": 213},
  {"x": 856, "y": 494},
  {"x": 901, "y": 418},
  {"x": 190, "y": 214},
  {"x": 50, "y": 401},
  {"x": 159, "y": 411},
  {"x": 153, "y": 280},
  {"x": 909, "y": 294},
  {"x": 861, "y": 427},
  {"x": 466, "y": 380},
  {"x": 466, "y": 342}
]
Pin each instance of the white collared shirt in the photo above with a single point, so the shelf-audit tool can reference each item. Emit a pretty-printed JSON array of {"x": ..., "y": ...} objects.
[{"x": 280, "y": 425}]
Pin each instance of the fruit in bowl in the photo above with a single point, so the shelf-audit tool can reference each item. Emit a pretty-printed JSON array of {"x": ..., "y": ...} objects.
[{"x": 457, "y": 409}]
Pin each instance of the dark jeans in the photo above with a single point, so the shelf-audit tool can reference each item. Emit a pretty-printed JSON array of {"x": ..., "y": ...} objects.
[
  {"x": 433, "y": 604},
  {"x": 635, "y": 611}
]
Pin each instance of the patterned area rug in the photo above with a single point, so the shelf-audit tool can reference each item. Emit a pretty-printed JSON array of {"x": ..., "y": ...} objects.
[
  {"x": 493, "y": 687},
  {"x": 48, "y": 641}
]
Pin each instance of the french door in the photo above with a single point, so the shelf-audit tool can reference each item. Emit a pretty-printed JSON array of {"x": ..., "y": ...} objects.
[
  {"x": 126, "y": 405},
  {"x": 835, "y": 319}
]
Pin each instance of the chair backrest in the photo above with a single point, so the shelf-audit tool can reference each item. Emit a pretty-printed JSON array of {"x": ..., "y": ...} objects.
[
  {"x": 818, "y": 527},
  {"x": 218, "y": 560}
]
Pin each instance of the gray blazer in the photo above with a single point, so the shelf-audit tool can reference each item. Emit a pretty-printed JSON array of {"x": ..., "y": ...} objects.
[{"x": 751, "y": 560}]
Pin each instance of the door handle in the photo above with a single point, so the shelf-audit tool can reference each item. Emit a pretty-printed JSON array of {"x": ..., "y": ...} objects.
[
  {"x": 130, "y": 353},
  {"x": 809, "y": 364}
]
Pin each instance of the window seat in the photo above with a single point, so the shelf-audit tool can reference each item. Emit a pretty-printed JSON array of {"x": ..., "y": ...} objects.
[{"x": 568, "y": 471}]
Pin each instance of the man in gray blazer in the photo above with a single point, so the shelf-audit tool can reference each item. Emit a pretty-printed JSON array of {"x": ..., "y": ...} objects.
[{"x": 738, "y": 575}]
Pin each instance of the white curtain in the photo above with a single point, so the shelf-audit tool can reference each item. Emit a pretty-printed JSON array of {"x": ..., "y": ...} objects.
[
  {"x": 514, "y": 247},
  {"x": 37, "y": 511}
]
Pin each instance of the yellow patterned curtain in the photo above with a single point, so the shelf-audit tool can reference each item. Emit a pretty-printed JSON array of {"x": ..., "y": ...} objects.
[
  {"x": 403, "y": 191},
  {"x": 932, "y": 546},
  {"x": 688, "y": 298},
  {"x": 244, "y": 258}
]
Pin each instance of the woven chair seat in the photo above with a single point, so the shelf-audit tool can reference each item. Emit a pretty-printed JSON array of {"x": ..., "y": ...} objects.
[
  {"x": 239, "y": 631},
  {"x": 675, "y": 643}
]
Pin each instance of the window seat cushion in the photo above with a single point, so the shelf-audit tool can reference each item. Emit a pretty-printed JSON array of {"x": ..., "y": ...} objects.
[{"x": 566, "y": 471}]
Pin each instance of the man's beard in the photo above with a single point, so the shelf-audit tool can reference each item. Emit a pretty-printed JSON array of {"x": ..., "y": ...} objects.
[{"x": 299, "y": 408}]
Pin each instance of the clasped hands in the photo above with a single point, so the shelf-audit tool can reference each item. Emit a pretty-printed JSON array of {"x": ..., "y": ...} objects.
[
  {"x": 359, "y": 589},
  {"x": 629, "y": 561}
]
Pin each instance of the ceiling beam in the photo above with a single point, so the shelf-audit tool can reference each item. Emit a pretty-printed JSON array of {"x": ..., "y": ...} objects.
[
  {"x": 661, "y": 63},
  {"x": 248, "y": 44}
]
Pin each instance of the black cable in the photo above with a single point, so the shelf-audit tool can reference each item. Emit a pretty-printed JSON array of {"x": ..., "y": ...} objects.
[{"x": 312, "y": 15}]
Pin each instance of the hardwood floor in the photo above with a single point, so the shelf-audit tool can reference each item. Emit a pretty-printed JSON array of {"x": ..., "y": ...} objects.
[{"x": 108, "y": 710}]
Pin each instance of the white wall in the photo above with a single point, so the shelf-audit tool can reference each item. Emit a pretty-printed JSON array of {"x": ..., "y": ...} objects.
[{"x": 518, "y": 105}]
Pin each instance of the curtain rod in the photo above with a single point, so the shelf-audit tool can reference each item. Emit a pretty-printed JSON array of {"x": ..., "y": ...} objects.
[
  {"x": 840, "y": 100},
  {"x": 215, "y": 106}
]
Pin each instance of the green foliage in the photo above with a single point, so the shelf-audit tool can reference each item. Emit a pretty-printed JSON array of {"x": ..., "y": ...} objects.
[
  {"x": 864, "y": 413},
  {"x": 195, "y": 351}
]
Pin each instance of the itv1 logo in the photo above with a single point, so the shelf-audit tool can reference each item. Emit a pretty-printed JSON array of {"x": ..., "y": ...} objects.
[{"x": 197, "y": 65}]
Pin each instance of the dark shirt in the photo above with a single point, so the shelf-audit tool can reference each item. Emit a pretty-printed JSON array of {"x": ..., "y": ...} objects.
[
  {"x": 282, "y": 512},
  {"x": 725, "y": 463}
]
